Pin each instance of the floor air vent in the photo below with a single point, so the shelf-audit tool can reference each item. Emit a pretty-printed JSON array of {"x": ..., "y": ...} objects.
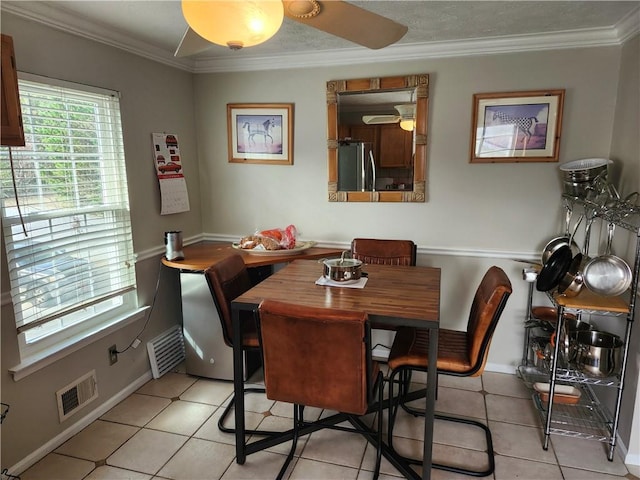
[
  {"x": 77, "y": 394},
  {"x": 166, "y": 351}
]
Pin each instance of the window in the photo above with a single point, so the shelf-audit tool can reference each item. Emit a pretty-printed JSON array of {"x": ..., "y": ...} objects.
[{"x": 65, "y": 213}]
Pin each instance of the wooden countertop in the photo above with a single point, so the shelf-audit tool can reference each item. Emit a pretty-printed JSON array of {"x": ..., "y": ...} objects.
[
  {"x": 587, "y": 300},
  {"x": 199, "y": 256}
]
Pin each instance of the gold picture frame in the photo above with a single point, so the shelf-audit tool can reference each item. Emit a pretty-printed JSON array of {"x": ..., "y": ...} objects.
[
  {"x": 516, "y": 126},
  {"x": 260, "y": 133}
]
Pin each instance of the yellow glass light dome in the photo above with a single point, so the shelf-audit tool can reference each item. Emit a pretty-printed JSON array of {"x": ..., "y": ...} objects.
[{"x": 234, "y": 24}]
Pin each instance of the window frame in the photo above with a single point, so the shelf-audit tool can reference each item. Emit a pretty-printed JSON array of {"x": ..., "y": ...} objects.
[{"x": 123, "y": 302}]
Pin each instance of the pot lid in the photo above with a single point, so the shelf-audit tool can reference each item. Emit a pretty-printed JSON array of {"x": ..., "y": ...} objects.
[
  {"x": 347, "y": 262},
  {"x": 556, "y": 267}
]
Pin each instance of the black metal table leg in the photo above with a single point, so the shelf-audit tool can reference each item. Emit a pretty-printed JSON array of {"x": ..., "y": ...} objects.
[{"x": 238, "y": 384}]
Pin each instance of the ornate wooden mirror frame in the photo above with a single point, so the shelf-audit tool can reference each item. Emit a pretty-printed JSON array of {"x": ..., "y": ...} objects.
[{"x": 371, "y": 85}]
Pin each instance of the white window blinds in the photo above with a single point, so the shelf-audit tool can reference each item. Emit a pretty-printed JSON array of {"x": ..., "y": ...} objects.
[{"x": 76, "y": 258}]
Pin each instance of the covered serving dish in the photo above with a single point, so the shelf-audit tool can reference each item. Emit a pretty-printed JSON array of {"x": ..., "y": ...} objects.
[{"x": 342, "y": 269}]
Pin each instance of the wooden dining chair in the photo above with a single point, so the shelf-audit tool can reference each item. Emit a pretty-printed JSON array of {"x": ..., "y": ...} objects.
[
  {"x": 228, "y": 279},
  {"x": 383, "y": 251},
  {"x": 460, "y": 354},
  {"x": 320, "y": 357}
]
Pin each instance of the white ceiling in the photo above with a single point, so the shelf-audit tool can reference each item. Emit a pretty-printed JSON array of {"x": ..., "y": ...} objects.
[{"x": 436, "y": 28}]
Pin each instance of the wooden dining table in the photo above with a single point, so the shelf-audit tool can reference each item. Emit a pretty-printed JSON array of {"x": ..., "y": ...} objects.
[{"x": 393, "y": 295}]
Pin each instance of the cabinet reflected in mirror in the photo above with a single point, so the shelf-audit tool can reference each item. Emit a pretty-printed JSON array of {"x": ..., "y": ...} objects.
[{"x": 377, "y": 139}]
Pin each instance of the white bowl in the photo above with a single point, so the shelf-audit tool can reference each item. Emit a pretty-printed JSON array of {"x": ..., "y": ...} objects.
[{"x": 584, "y": 164}]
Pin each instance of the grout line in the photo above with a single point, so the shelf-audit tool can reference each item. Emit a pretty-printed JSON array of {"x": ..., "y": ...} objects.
[{"x": 306, "y": 438}]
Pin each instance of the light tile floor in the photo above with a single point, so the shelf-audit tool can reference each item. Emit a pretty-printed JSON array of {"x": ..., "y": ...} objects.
[{"x": 168, "y": 430}]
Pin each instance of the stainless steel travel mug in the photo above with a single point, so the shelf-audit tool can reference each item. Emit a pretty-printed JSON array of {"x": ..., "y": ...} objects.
[{"x": 173, "y": 245}]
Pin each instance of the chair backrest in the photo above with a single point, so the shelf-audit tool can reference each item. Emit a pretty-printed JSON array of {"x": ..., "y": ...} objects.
[
  {"x": 317, "y": 357},
  {"x": 385, "y": 252},
  {"x": 227, "y": 279},
  {"x": 488, "y": 304}
]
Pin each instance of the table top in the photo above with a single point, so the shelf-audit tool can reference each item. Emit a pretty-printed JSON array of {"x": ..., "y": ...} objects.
[
  {"x": 200, "y": 256},
  {"x": 397, "y": 295}
]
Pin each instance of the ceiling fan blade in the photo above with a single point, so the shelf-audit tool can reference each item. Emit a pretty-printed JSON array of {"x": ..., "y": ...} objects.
[
  {"x": 380, "y": 119},
  {"x": 347, "y": 21},
  {"x": 191, "y": 44}
]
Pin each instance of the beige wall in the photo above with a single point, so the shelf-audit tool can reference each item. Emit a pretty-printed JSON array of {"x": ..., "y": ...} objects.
[
  {"x": 625, "y": 148},
  {"x": 154, "y": 98},
  {"x": 476, "y": 215},
  {"x": 494, "y": 206}
]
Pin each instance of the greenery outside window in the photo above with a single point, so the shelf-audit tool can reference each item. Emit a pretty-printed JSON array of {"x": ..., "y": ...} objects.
[{"x": 65, "y": 214}]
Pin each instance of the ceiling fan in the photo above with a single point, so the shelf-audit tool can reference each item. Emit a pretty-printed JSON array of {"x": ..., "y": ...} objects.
[
  {"x": 406, "y": 117},
  {"x": 335, "y": 17}
]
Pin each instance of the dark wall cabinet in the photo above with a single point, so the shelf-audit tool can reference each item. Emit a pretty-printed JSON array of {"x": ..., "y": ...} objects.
[
  {"x": 392, "y": 146},
  {"x": 11, "y": 129},
  {"x": 396, "y": 146}
]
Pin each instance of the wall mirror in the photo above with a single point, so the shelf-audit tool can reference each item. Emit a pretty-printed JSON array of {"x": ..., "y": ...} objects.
[{"x": 377, "y": 139}]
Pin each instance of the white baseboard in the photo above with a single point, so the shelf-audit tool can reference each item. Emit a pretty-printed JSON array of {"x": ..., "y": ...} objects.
[
  {"x": 58, "y": 440},
  {"x": 500, "y": 368},
  {"x": 630, "y": 459}
]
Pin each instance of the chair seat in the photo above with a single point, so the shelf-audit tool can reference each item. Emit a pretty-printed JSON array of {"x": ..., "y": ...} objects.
[{"x": 411, "y": 345}]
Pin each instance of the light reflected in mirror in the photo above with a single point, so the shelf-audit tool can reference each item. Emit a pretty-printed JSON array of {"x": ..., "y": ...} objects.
[{"x": 377, "y": 139}]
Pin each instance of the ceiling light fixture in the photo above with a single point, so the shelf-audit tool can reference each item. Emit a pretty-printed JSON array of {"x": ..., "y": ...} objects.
[
  {"x": 234, "y": 24},
  {"x": 407, "y": 125},
  {"x": 407, "y": 116}
]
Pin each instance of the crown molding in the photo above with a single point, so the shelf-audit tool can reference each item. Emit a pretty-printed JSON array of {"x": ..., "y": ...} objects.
[
  {"x": 629, "y": 26},
  {"x": 595, "y": 37},
  {"x": 394, "y": 53},
  {"x": 46, "y": 14}
]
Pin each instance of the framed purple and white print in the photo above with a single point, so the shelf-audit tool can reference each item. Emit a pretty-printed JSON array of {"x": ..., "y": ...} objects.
[
  {"x": 260, "y": 133},
  {"x": 516, "y": 126}
]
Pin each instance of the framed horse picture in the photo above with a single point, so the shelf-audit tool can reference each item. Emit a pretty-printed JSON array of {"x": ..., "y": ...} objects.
[
  {"x": 516, "y": 126},
  {"x": 260, "y": 133}
]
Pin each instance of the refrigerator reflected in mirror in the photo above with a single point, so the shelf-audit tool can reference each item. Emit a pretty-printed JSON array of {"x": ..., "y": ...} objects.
[{"x": 356, "y": 167}]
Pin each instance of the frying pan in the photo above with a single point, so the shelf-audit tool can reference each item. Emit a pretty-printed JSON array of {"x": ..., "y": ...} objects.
[
  {"x": 608, "y": 274},
  {"x": 555, "y": 268},
  {"x": 558, "y": 242},
  {"x": 571, "y": 282},
  {"x": 549, "y": 314}
]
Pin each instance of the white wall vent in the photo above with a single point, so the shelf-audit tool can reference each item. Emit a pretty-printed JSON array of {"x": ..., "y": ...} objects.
[
  {"x": 166, "y": 351},
  {"x": 77, "y": 394}
]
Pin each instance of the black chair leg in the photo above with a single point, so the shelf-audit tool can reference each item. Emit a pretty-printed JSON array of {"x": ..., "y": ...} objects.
[
  {"x": 376, "y": 470},
  {"x": 490, "y": 454},
  {"x": 393, "y": 405},
  {"x": 410, "y": 410},
  {"x": 227, "y": 411},
  {"x": 467, "y": 421},
  {"x": 298, "y": 421}
]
